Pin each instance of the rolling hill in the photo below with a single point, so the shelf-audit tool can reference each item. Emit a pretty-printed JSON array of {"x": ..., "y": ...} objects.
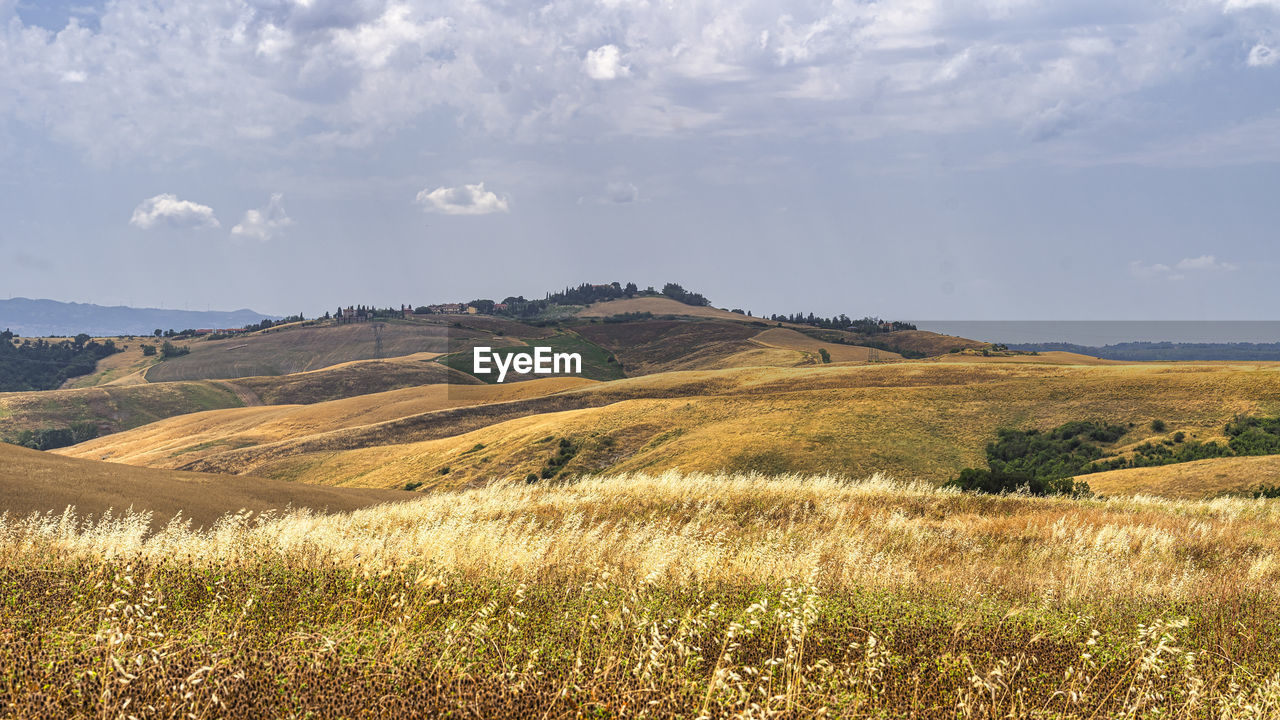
[
  {"x": 185, "y": 440},
  {"x": 38, "y": 482},
  {"x": 283, "y": 351},
  {"x": 113, "y": 407},
  {"x": 1193, "y": 480},
  {"x": 914, "y": 419}
]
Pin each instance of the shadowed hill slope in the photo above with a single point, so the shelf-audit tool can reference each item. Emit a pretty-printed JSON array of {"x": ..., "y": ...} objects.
[
  {"x": 32, "y": 481},
  {"x": 282, "y": 351}
]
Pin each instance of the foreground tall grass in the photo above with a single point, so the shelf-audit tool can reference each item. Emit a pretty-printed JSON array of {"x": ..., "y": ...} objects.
[{"x": 669, "y": 596}]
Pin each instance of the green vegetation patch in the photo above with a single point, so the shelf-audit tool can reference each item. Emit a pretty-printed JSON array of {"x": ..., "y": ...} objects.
[
  {"x": 50, "y": 438},
  {"x": 1044, "y": 463},
  {"x": 43, "y": 365}
]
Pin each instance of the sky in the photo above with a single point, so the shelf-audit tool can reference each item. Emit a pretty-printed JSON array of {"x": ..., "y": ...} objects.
[{"x": 982, "y": 160}]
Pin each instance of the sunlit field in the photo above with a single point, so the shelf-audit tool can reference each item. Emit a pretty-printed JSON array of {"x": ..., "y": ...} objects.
[{"x": 654, "y": 596}]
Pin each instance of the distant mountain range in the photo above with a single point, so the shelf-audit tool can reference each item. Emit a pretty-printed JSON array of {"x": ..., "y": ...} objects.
[{"x": 38, "y": 318}]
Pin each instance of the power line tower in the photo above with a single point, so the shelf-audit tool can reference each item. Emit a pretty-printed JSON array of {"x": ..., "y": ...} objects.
[
  {"x": 873, "y": 355},
  {"x": 377, "y": 339}
]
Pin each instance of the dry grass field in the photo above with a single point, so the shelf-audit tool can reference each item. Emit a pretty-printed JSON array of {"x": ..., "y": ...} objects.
[
  {"x": 114, "y": 407},
  {"x": 127, "y": 367},
  {"x": 41, "y": 482},
  {"x": 291, "y": 350},
  {"x": 1198, "y": 479},
  {"x": 111, "y": 407},
  {"x": 675, "y": 596},
  {"x": 921, "y": 420},
  {"x": 179, "y": 441},
  {"x": 788, "y": 339},
  {"x": 358, "y": 377}
]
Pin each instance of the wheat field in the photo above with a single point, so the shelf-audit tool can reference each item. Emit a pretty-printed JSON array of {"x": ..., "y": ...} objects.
[{"x": 670, "y": 595}]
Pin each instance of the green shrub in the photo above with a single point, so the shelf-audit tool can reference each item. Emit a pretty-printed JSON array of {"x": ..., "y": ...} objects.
[{"x": 996, "y": 482}]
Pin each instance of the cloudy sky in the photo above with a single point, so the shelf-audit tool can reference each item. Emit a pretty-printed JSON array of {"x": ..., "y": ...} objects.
[{"x": 984, "y": 159}]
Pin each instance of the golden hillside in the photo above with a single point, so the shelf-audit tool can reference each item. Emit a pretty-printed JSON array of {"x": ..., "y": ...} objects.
[
  {"x": 285, "y": 350},
  {"x": 40, "y": 482},
  {"x": 1192, "y": 480},
  {"x": 788, "y": 339},
  {"x": 113, "y": 407},
  {"x": 180, "y": 441},
  {"x": 913, "y": 419}
]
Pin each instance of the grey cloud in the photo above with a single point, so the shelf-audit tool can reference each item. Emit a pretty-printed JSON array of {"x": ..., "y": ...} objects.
[{"x": 371, "y": 67}]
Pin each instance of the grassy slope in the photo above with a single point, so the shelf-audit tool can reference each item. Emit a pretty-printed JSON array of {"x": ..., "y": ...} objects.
[
  {"x": 596, "y": 363},
  {"x": 251, "y": 364},
  {"x": 789, "y": 339},
  {"x": 123, "y": 368},
  {"x": 123, "y": 407},
  {"x": 179, "y": 441},
  {"x": 42, "y": 482},
  {"x": 677, "y": 596},
  {"x": 912, "y": 419},
  {"x": 651, "y": 346},
  {"x": 1199, "y": 479},
  {"x": 360, "y": 377},
  {"x": 112, "y": 407},
  {"x": 292, "y": 350}
]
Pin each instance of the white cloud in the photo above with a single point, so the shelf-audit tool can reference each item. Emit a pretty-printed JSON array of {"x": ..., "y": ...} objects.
[
  {"x": 264, "y": 224},
  {"x": 1262, "y": 56},
  {"x": 1204, "y": 262},
  {"x": 167, "y": 210},
  {"x": 605, "y": 63},
  {"x": 1180, "y": 269},
  {"x": 1246, "y": 4},
  {"x": 462, "y": 200}
]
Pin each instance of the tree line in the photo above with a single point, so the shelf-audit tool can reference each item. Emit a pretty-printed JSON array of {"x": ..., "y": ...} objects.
[
  {"x": 863, "y": 326},
  {"x": 44, "y": 365}
]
